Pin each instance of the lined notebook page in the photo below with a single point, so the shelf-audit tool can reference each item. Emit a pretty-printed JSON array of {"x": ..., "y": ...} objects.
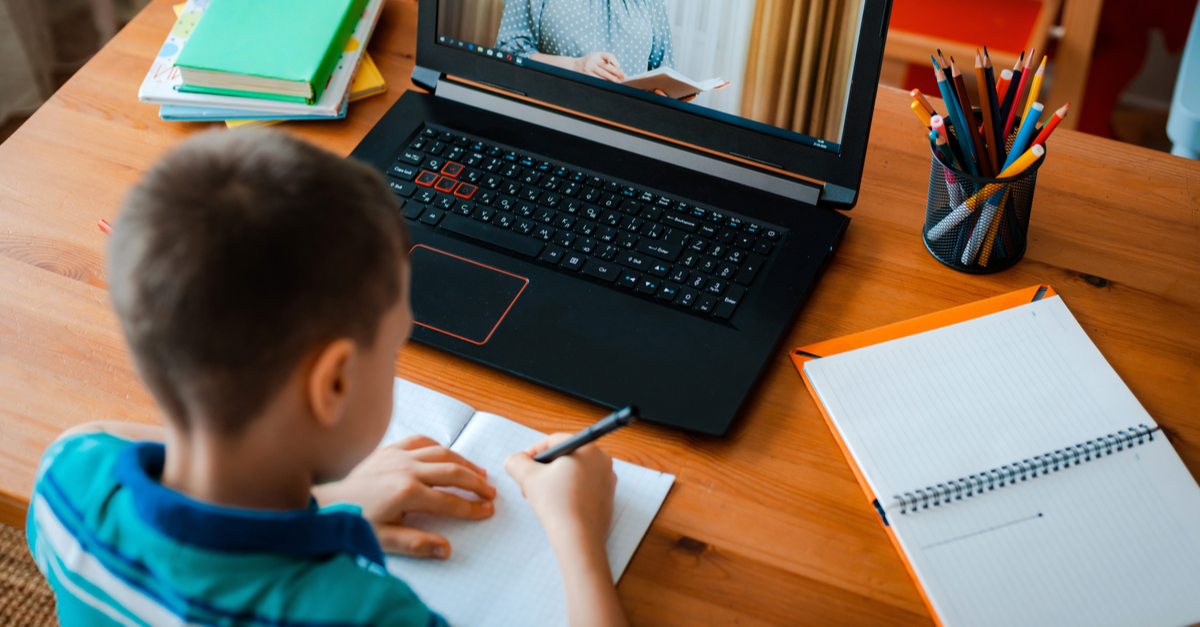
[
  {"x": 502, "y": 570},
  {"x": 1114, "y": 541},
  {"x": 967, "y": 398},
  {"x": 418, "y": 410}
]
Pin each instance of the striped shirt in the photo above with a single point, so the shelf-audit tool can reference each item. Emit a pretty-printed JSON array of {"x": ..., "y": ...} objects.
[{"x": 119, "y": 548}]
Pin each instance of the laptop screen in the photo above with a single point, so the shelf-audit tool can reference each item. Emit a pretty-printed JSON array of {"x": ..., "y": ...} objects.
[{"x": 781, "y": 68}]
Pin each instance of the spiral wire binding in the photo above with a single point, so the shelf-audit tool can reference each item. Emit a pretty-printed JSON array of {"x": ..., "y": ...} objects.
[{"x": 955, "y": 490}]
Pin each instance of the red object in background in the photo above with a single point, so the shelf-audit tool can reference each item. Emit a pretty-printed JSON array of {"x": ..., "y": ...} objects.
[
  {"x": 1000, "y": 24},
  {"x": 1120, "y": 52}
]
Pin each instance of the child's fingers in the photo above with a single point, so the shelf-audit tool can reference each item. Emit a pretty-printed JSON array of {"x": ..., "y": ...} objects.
[
  {"x": 413, "y": 542},
  {"x": 447, "y": 474},
  {"x": 414, "y": 442},
  {"x": 546, "y": 442},
  {"x": 441, "y": 454},
  {"x": 519, "y": 465},
  {"x": 443, "y": 503}
]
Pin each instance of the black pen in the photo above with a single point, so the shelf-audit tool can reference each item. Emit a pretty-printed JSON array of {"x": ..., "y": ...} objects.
[{"x": 604, "y": 426}]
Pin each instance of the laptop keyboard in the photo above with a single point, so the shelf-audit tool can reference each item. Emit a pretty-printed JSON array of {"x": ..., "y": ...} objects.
[{"x": 662, "y": 248}]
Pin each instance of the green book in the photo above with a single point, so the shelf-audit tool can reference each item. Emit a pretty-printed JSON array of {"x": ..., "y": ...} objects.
[{"x": 274, "y": 49}]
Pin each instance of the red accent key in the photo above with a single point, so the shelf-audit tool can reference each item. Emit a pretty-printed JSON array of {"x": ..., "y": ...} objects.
[
  {"x": 465, "y": 190},
  {"x": 445, "y": 184},
  {"x": 426, "y": 178},
  {"x": 452, "y": 169}
]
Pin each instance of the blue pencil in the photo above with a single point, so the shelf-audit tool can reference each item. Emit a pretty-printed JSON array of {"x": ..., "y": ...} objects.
[
  {"x": 1025, "y": 135},
  {"x": 954, "y": 110}
]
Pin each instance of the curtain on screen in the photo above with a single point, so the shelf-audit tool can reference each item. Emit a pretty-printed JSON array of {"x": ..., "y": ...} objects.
[
  {"x": 799, "y": 64},
  {"x": 475, "y": 21}
]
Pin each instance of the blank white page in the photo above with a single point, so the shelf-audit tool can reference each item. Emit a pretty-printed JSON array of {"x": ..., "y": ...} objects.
[
  {"x": 971, "y": 397},
  {"x": 1113, "y": 541},
  {"x": 418, "y": 410},
  {"x": 501, "y": 570}
]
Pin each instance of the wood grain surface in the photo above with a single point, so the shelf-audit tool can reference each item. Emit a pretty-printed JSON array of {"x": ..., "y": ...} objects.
[{"x": 765, "y": 525}]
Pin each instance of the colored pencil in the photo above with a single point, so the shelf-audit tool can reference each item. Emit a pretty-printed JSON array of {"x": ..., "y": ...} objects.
[
  {"x": 994, "y": 100},
  {"x": 987, "y": 105},
  {"x": 1002, "y": 84},
  {"x": 985, "y": 253},
  {"x": 971, "y": 129},
  {"x": 938, "y": 124},
  {"x": 921, "y": 114},
  {"x": 104, "y": 226},
  {"x": 943, "y": 147},
  {"x": 1012, "y": 110},
  {"x": 1036, "y": 87},
  {"x": 953, "y": 110},
  {"x": 920, "y": 98},
  {"x": 1050, "y": 125},
  {"x": 1028, "y": 123},
  {"x": 1010, "y": 94}
]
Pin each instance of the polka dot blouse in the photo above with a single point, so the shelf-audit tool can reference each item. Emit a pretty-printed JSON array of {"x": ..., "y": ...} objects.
[{"x": 636, "y": 31}]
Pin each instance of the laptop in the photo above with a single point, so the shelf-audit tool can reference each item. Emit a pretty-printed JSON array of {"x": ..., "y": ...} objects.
[{"x": 574, "y": 225}]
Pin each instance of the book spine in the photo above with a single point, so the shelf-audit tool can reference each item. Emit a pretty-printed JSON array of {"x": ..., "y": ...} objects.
[
  {"x": 345, "y": 30},
  {"x": 1039, "y": 465}
]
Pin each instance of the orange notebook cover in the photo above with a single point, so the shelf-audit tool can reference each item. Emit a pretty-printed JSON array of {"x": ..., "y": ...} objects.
[{"x": 894, "y": 331}]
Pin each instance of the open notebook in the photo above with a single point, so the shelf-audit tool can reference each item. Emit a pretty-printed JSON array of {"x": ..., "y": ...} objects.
[
  {"x": 502, "y": 570},
  {"x": 1020, "y": 478}
]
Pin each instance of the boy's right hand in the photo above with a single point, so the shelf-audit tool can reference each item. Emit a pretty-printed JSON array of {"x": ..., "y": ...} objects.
[{"x": 573, "y": 495}]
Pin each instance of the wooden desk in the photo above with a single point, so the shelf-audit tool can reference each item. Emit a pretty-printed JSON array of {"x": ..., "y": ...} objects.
[{"x": 765, "y": 526}]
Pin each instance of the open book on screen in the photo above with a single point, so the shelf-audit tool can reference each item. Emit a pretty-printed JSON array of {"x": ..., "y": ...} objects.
[
  {"x": 502, "y": 570},
  {"x": 671, "y": 83}
]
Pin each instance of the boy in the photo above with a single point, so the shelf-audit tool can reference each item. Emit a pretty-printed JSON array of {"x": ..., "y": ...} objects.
[{"x": 262, "y": 286}]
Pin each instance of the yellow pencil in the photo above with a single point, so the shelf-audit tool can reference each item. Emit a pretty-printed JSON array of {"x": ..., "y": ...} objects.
[
  {"x": 921, "y": 113},
  {"x": 1034, "y": 88},
  {"x": 986, "y": 252}
]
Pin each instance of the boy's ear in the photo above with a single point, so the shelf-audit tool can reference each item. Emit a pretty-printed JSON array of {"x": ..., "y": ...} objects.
[{"x": 329, "y": 381}]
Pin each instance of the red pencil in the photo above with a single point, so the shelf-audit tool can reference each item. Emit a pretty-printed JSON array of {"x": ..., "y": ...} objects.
[
  {"x": 104, "y": 226},
  {"x": 1049, "y": 126}
]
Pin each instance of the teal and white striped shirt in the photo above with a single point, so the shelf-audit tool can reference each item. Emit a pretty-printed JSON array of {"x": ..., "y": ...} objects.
[{"x": 119, "y": 548}]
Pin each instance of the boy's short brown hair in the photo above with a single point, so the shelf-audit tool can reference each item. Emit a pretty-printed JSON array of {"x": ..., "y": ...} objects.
[{"x": 240, "y": 253}]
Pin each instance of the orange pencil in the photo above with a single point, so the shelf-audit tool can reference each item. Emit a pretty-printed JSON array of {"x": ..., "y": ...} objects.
[
  {"x": 104, "y": 226},
  {"x": 919, "y": 97},
  {"x": 1002, "y": 84},
  {"x": 1050, "y": 124}
]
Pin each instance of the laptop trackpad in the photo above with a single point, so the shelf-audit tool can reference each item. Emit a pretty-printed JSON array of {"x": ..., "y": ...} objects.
[{"x": 460, "y": 297}]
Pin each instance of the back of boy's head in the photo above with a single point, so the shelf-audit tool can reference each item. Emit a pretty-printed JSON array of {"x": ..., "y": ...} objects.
[{"x": 239, "y": 254}]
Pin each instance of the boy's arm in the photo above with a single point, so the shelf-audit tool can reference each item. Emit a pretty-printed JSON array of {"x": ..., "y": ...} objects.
[
  {"x": 133, "y": 431},
  {"x": 573, "y": 497}
]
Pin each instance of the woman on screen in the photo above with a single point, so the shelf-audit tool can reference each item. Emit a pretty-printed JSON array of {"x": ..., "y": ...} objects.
[{"x": 608, "y": 39}]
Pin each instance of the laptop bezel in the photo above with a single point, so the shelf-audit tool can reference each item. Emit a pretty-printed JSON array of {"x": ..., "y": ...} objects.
[{"x": 843, "y": 169}]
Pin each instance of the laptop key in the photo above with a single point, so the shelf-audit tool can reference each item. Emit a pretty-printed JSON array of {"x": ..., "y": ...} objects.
[
  {"x": 683, "y": 222},
  {"x": 428, "y": 132},
  {"x": 726, "y": 235},
  {"x": 425, "y": 196},
  {"x": 544, "y": 215},
  {"x": 626, "y": 240},
  {"x": 464, "y": 208},
  {"x": 412, "y": 210},
  {"x": 708, "y": 265},
  {"x": 663, "y": 250},
  {"x": 716, "y": 286},
  {"x": 678, "y": 275},
  {"x": 659, "y": 269},
  {"x": 648, "y": 285},
  {"x": 606, "y": 233},
  {"x": 763, "y": 246},
  {"x": 629, "y": 279},
  {"x": 606, "y": 251},
  {"x": 601, "y": 270},
  {"x": 697, "y": 281},
  {"x": 735, "y": 256},
  {"x": 676, "y": 236},
  {"x": 433, "y": 163},
  {"x": 552, "y": 254},
  {"x": 432, "y": 216},
  {"x": 771, "y": 233},
  {"x": 524, "y": 226},
  {"x": 564, "y": 220},
  {"x": 631, "y": 224},
  {"x": 749, "y": 269},
  {"x": 544, "y": 232},
  {"x": 745, "y": 240},
  {"x": 404, "y": 171},
  {"x": 585, "y": 227},
  {"x": 414, "y": 157},
  {"x": 686, "y": 297},
  {"x": 727, "y": 303},
  {"x": 445, "y": 201},
  {"x": 503, "y": 220},
  {"x": 492, "y": 235},
  {"x": 689, "y": 259},
  {"x": 565, "y": 239},
  {"x": 726, "y": 270},
  {"x": 402, "y": 189},
  {"x": 484, "y": 214},
  {"x": 705, "y": 303},
  {"x": 572, "y": 261},
  {"x": 633, "y": 260},
  {"x": 668, "y": 291},
  {"x": 585, "y": 245}
]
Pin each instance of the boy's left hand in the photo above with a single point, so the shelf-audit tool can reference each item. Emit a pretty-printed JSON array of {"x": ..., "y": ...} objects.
[{"x": 400, "y": 478}]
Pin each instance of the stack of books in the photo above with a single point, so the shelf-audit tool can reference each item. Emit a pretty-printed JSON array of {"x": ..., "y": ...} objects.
[{"x": 262, "y": 62}]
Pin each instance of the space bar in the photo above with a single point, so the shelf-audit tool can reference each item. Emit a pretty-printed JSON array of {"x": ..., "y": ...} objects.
[{"x": 493, "y": 235}]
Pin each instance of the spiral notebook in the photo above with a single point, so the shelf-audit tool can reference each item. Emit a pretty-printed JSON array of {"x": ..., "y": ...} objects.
[
  {"x": 501, "y": 570},
  {"x": 1019, "y": 478}
]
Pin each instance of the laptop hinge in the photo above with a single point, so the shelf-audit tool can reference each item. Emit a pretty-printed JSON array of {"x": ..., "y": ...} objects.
[
  {"x": 802, "y": 191},
  {"x": 426, "y": 78}
]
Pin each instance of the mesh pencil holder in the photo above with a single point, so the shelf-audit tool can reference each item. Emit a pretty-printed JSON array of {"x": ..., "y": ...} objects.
[{"x": 974, "y": 224}]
